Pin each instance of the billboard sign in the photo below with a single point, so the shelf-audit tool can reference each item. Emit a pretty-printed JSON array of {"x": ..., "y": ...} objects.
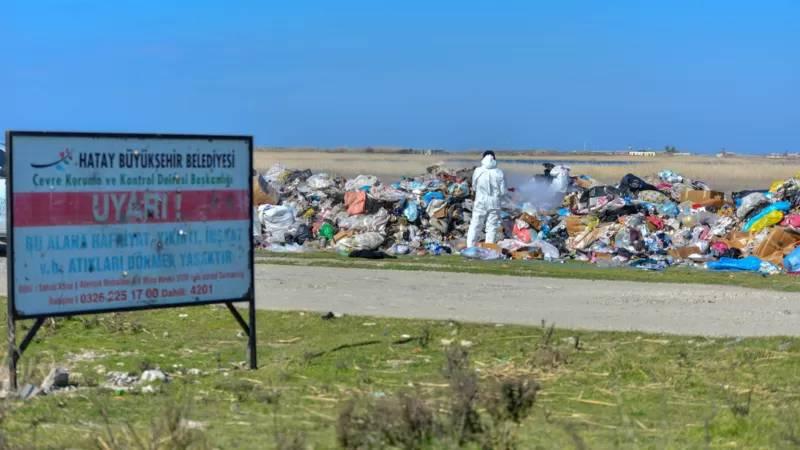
[{"x": 111, "y": 222}]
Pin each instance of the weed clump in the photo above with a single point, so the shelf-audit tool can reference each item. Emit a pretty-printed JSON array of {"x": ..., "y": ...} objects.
[
  {"x": 403, "y": 421},
  {"x": 409, "y": 422}
]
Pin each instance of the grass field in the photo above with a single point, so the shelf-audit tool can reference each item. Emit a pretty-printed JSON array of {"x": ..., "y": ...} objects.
[
  {"x": 725, "y": 174},
  {"x": 566, "y": 269},
  {"x": 386, "y": 381}
]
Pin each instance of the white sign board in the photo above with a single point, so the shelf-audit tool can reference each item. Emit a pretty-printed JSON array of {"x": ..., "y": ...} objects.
[{"x": 109, "y": 222}]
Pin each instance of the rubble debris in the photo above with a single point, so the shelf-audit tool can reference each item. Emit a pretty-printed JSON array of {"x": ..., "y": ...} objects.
[
  {"x": 58, "y": 378},
  {"x": 648, "y": 222},
  {"x": 149, "y": 376}
]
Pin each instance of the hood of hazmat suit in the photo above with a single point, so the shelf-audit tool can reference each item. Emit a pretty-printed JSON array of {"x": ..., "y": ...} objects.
[{"x": 489, "y": 186}]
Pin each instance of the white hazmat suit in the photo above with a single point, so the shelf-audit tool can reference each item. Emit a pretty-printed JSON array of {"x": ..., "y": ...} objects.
[
  {"x": 560, "y": 181},
  {"x": 489, "y": 185}
]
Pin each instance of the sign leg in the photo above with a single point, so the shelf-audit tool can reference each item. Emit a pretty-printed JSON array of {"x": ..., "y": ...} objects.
[
  {"x": 12, "y": 353},
  {"x": 251, "y": 337}
]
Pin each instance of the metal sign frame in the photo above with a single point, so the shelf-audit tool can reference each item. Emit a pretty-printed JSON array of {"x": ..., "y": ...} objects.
[{"x": 15, "y": 351}]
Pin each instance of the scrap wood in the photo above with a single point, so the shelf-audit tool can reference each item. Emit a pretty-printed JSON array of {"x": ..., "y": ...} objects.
[
  {"x": 321, "y": 398},
  {"x": 434, "y": 385},
  {"x": 593, "y": 402},
  {"x": 319, "y": 414}
]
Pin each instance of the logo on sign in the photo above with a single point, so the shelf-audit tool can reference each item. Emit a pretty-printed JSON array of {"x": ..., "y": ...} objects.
[{"x": 64, "y": 159}]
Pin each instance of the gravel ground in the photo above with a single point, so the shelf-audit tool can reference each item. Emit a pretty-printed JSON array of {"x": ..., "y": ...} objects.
[{"x": 594, "y": 305}]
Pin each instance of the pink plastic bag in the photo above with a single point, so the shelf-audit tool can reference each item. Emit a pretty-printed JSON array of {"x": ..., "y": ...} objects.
[
  {"x": 522, "y": 234},
  {"x": 792, "y": 221}
]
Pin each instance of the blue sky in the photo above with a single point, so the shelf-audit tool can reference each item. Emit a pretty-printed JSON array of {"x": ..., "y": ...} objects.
[{"x": 701, "y": 75}]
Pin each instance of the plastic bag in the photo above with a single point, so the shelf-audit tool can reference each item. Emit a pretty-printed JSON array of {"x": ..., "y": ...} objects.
[
  {"x": 277, "y": 221},
  {"x": 631, "y": 184},
  {"x": 763, "y": 221},
  {"x": 791, "y": 221},
  {"x": 670, "y": 176},
  {"x": 364, "y": 241},
  {"x": 372, "y": 222},
  {"x": 484, "y": 254},
  {"x": 327, "y": 231},
  {"x": 411, "y": 211},
  {"x": 399, "y": 249},
  {"x": 276, "y": 217},
  {"x": 355, "y": 202},
  {"x": 749, "y": 264},
  {"x": 791, "y": 262},
  {"x": 522, "y": 233},
  {"x": 284, "y": 248},
  {"x": 668, "y": 209},
  {"x": 387, "y": 193},
  {"x": 320, "y": 181},
  {"x": 549, "y": 251},
  {"x": 361, "y": 182},
  {"x": 437, "y": 209},
  {"x": 276, "y": 174},
  {"x": 432, "y": 195},
  {"x": 750, "y": 202},
  {"x": 652, "y": 197},
  {"x": 768, "y": 216},
  {"x": 459, "y": 190}
]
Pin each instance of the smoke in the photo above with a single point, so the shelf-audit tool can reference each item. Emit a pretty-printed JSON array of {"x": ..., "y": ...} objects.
[{"x": 534, "y": 194}]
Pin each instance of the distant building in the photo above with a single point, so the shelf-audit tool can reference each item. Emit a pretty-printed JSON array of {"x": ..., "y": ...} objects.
[{"x": 641, "y": 153}]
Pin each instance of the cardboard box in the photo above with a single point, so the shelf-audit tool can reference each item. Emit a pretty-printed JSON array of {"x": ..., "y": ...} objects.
[
  {"x": 585, "y": 183},
  {"x": 685, "y": 252},
  {"x": 531, "y": 220},
  {"x": 701, "y": 195},
  {"x": 271, "y": 197},
  {"x": 780, "y": 242},
  {"x": 575, "y": 225},
  {"x": 776, "y": 258},
  {"x": 494, "y": 247},
  {"x": 343, "y": 234},
  {"x": 525, "y": 255},
  {"x": 602, "y": 256},
  {"x": 712, "y": 203},
  {"x": 738, "y": 239}
]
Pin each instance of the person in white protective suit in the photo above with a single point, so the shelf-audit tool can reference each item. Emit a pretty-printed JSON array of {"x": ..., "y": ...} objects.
[
  {"x": 560, "y": 175},
  {"x": 488, "y": 183}
]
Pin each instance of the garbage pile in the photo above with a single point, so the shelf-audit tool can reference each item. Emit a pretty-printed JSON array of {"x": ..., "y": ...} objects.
[{"x": 649, "y": 223}]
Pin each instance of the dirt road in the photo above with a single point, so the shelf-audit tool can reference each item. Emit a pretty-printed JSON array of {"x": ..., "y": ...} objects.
[{"x": 596, "y": 305}]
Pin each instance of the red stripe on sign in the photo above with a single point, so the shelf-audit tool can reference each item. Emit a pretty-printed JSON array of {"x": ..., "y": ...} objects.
[{"x": 42, "y": 209}]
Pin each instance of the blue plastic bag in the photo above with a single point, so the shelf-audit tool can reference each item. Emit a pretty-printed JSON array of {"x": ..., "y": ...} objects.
[
  {"x": 481, "y": 253},
  {"x": 432, "y": 195},
  {"x": 749, "y": 264},
  {"x": 791, "y": 262},
  {"x": 411, "y": 211},
  {"x": 668, "y": 209}
]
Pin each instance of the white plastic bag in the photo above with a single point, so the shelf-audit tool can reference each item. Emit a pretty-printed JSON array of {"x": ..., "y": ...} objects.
[{"x": 320, "y": 181}]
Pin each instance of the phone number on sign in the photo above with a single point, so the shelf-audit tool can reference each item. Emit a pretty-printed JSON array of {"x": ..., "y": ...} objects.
[{"x": 143, "y": 294}]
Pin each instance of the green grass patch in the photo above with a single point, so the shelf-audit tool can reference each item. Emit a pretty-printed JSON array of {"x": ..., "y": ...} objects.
[
  {"x": 566, "y": 269},
  {"x": 598, "y": 389}
]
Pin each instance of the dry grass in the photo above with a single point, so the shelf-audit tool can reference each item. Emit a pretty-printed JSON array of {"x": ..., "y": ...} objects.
[{"x": 728, "y": 174}]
